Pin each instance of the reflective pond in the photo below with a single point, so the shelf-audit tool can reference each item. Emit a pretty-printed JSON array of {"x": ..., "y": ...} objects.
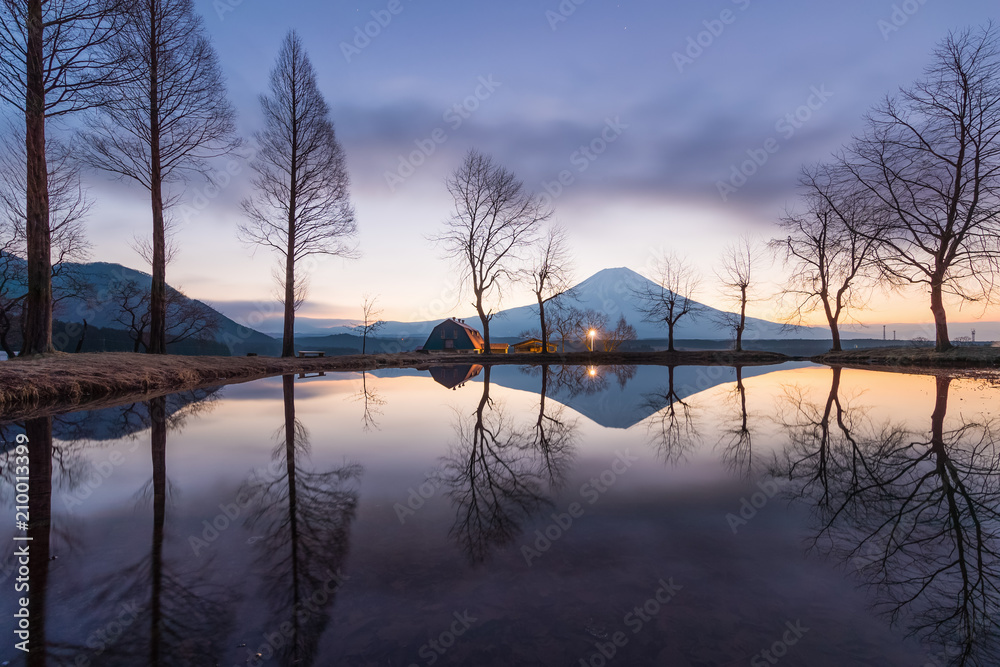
[{"x": 517, "y": 516}]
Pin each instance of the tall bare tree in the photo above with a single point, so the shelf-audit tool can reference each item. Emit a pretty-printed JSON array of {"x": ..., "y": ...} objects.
[
  {"x": 736, "y": 275},
  {"x": 549, "y": 275},
  {"x": 68, "y": 208},
  {"x": 496, "y": 220},
  {"x": 931, "y": 158},
  {"x": 167, "y": 123},
  {"x": 51, "y": 64},
  {"x": 301, "y": 207},
  {"x": 670, "y": 295},
  {"x": 831, "y": 263}
]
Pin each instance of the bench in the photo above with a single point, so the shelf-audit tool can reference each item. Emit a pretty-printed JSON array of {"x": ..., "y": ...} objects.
[{"x": 311, "y": 353}]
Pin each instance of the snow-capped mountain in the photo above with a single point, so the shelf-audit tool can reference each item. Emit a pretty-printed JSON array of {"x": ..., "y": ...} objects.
[{"x": 615, "y": 292}]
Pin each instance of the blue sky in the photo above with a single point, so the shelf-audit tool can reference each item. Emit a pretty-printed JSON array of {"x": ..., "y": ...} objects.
[{"x": 534, "y": 82}]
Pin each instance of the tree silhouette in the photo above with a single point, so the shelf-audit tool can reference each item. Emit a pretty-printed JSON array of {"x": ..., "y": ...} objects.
[
  {"x": 736, "y": 438},
  {"x": 672, "y": 429},
  {"x": 301, "y": 205},
  {"x": 917, "y": 515},
  {"x": 304, "y": 517},
  {"x": 496, "y": 476}
]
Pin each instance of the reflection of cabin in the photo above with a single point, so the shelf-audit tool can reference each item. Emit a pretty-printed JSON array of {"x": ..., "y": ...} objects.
[
  {"x": 453, "y": 377},
  {"x": 454, "y": 334},
  {"x": 499, "y": 348},
  {"x": 532, "y": 346}
]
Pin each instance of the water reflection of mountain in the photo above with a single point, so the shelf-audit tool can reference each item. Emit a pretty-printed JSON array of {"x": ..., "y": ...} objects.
[
  {"x": 622, "y": 402},
  {"x": 123, "y": 420}
]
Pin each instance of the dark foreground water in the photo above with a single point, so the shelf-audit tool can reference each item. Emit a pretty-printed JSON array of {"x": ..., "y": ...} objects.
[{"x": 604, "y": 516}]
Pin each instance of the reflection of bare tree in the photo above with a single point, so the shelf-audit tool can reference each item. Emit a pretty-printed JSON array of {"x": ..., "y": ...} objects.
[
  {"x": 554, "y": 436},
  {"x": 304, "y": 518},
  {"x": 372, "y": 402},
  {"x": 588, "y": 380},
  {"x": 39, "y": 432},
  {"x": 672, "y": 429},
  {"x": 736, "y": 438},
  {"x": 179, "y": 618},
  {"x": 918, "y": 517},
  {"x": 495, "y": 477}
]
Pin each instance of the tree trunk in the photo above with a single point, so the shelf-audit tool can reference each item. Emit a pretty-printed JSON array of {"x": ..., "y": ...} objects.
[
  {"x": 832, "y": 318},
  {"x": 486, "y": 325},
  {"x": 158, "y": 445},
  {"x": 835, "y": 332},
  {"x": 288, "y": 335},
  {"x": 541, "y": 318},
  {"x": 743, "y": 319},
  {"x": 670, "y": 337},
  {"x": 942, "y": 342},
  {"x": 158, "y": 289},
  {"x": 288, "y": 394},
  {"x": 38, "y": 305}
]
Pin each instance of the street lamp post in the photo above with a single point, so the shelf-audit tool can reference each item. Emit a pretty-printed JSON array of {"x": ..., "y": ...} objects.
[{"x": 591, "y": 335}]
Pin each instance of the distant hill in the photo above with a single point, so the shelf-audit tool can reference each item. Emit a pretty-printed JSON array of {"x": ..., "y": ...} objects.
[{"x": 99, "y": 311}]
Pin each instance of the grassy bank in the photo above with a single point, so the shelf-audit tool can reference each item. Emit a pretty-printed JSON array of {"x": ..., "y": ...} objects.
[
  {"x": 61, "y": 382},
  {"x": 959, "y": 357}
]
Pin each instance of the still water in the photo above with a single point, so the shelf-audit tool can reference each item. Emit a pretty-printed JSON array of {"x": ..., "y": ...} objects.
[{"x": 696, "y": 516}]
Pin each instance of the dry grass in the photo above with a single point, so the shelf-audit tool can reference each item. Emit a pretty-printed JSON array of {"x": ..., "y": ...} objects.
[
  {"x": 55, "y": 383},
  {"x": 959, "y": 357}
]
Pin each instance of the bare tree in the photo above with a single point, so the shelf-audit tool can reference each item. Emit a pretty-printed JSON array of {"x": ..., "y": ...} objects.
[
  {"x": 51, "y": 64},
  {"x": 169, "y": 120},
  {"x": 623, "y": 331},
  {"x": 372, "y": 322},
  {"x": 187, "y": 319},
  {"x": 931, "y": 158},
  {"x": 832, "y": 264},
  {"x": 495, "y": 220},
  {"x": 301, "y": 207},
  {"x": 549, "y": 275},
  {"x": 591, "y": 325},
  {"x": 68, "y": 208},
  {"x": 565, "y": 321},
  {"x": 736, "y": 276},
  {"x": 670, "y": 295}
]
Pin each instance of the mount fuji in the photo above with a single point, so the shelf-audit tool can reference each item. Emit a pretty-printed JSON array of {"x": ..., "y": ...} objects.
[{"x": 614, "y": 292}]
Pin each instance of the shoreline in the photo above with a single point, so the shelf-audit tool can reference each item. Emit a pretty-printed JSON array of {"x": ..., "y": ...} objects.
[
  {"x": 65, "y": 382},
  {"x": 62, "y": 382}
]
